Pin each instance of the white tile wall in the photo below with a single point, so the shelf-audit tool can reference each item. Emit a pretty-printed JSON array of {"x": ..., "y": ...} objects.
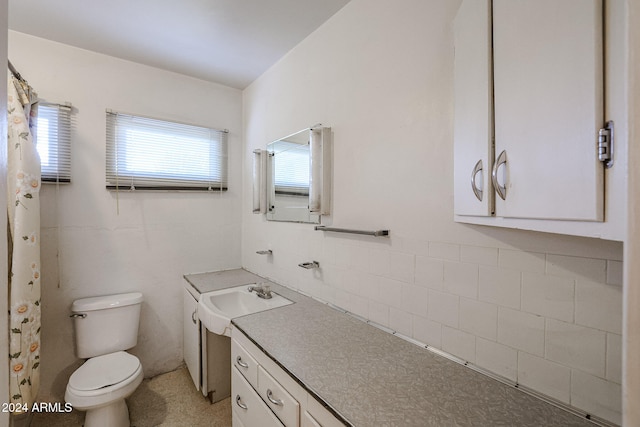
[
  {"x": 599, "y": 397},
  {"x": 402, "y": 266},
  {"x": 401, "y": 321},
  {"x": 520, "y": 330},
  {"x": 441, "y": 250},
  {"x": 414, "y": 299},
  {"x": 479, "y": 255},
  {"x": 443, "y": 308},
  {"x": 598, "y": 306},
  {"x": 521, "y": 261},
  {"x": 497, "y": 358},
  {"x": 549, "y": 322},
  {"x": 461, "y": 278},
  {"x": 429, "y": 272},
  {"x": 552, "y": 379},
  {"x": 379, "y": 262},
  {"x": 427, "y": 331},
  {"x": 578, "y": 268},
  {"x": 500, "y": 287},
  {"x": 479, "y": 318},
  {"x": 379, "y": 313},
  {"x": 614, "y": 272},
  {"x": 460, "y": 343},
  {"x": 548, "y": 296},
  {"x": 614, "y": 358},
  {"x": 576, "y": 346}
]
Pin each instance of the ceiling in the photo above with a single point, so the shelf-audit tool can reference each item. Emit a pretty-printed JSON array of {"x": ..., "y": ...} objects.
[{"x": 231, "y": 42}]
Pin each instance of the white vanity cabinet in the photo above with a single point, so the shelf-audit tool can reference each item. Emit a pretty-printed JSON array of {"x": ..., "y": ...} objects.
[
  {"x": 191, "y": 336},
  {"x": 258, "y": 380},
  {"x": 529, "y": 104},
  {"x": 205, "y": 354}
]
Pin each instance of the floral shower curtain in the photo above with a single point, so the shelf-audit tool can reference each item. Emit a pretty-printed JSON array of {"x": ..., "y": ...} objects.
[{"x": 23, "y": 186}]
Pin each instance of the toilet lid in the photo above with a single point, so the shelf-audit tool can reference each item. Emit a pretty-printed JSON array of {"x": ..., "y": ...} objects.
[{"x": 103, "y": 371}]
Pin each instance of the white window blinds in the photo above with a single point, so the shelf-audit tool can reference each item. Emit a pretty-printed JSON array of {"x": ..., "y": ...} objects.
[
  {"x": 53, "y": 141},
  {"x": 151, "y": 154}
]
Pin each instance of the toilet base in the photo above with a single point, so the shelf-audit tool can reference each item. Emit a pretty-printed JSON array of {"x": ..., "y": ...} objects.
[{"x": 114, "y": 415}]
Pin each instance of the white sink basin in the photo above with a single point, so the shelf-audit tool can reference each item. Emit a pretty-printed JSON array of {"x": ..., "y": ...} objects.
[{"x": 217, "y": 308}]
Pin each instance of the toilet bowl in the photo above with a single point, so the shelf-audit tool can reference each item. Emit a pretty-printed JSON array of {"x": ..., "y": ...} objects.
[
  {"x": 100, "y": 386},
  {"x": 105, "y": 327}
]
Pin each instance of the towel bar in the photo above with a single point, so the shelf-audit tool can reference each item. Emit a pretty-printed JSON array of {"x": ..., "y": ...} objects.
[{"x": 377, "y": 233}]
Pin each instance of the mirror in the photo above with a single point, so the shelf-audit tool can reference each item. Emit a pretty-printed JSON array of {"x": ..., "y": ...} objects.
[{"x": 297, "y": 176}]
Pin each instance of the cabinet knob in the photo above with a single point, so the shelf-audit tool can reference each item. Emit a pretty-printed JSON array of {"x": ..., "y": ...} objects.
[
  {"x": 500, "y": 189},
  {"x": 477, "y": 191}
]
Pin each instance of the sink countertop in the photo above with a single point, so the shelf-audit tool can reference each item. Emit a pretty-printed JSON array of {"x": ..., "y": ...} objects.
[
  {"x": 372, "y": 378},
  {"x": 207, "y": 282}
]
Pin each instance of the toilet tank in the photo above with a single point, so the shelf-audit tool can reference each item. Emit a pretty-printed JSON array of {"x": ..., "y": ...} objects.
[{"x": 106, "y": 324}]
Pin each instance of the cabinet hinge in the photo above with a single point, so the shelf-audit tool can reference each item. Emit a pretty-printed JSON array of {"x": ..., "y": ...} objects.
[{"x": 605, "y": 144}]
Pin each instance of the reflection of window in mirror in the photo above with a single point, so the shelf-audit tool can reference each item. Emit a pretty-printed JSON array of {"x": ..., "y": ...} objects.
[{"x": 291, "y": 171}]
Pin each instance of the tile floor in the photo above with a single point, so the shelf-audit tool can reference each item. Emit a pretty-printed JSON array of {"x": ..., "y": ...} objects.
[{"x": 166, "y": 400}]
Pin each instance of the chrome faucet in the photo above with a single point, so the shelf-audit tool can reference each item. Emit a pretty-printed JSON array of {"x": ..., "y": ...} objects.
[{"x": 263, "y": 291}]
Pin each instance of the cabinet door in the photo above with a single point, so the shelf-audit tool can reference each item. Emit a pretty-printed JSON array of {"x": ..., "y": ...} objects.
[
  {"x": 191, "y": 336},
  {"x": 548, "y": 100},
  {"x": 473, "y": 111}
]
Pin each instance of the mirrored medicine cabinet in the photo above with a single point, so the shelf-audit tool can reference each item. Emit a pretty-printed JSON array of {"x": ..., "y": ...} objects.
[{"x": 292, "y": 177}]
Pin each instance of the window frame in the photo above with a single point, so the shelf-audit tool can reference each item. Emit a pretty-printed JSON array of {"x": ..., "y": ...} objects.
[
  {"x": 60, "y": 172},
  {"x": 130, "y": 137}
]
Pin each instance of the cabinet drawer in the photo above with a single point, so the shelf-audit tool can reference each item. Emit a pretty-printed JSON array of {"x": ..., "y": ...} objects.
[
  {"x": 318, "y": 414},
  {"x": 309, "y": 421},
  {"x": 248, "y": 409},
  {"x": 278, "y": 399},
  {"x": 245, "y": 363}
]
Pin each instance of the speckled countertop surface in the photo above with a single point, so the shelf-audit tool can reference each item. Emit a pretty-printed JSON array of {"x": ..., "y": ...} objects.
[{"x": 372, "y": 378}]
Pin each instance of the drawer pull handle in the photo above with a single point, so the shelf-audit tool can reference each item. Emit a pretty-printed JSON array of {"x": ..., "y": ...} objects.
[
  {"x": 272, "y": 400},
  {"x": 239, "y": 402},
  {"x": 241, "y": 363}
]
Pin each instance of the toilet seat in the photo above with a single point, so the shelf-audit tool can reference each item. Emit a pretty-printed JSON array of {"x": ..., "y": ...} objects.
[{"x": 104, "y": 371}]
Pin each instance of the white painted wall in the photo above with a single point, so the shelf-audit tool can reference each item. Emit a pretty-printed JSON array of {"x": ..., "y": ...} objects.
[
  {"x": 541, "y": 309},
  {"x": 4, "y": 307},
  {"x": 87, "y": 248}
]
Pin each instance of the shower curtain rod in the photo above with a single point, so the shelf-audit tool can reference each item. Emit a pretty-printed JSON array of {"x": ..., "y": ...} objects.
[{"x": 15, "y": 72}]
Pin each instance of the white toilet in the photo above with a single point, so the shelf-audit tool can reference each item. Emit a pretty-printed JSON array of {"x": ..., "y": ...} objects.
[{"x": 105, "y": 326}]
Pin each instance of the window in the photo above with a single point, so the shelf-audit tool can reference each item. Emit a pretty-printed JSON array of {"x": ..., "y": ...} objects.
[
  {"x": 151, "y": 154},
  {"x": 53, "y": 141}
]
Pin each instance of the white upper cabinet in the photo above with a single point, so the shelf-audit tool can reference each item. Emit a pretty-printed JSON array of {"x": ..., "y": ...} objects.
[
  {"x": 549, "y": 107},
  {"x": 473, "y": 129},
  {"x": 529, "y": 103}
]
